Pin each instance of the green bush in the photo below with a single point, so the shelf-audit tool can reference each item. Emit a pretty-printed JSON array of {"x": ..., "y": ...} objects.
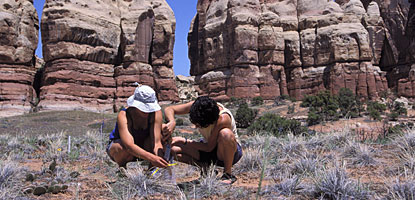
[
  {"x": 275, "y": 125},
  {"x": 291, "y": 109},
  {"x": 234, "y": 101},
  {"x": 179, "y": 122},
  {"x": 393, "y": 116},
  {"x": 323, "y": 107},
  {"x": 313, "y": 118},
  {"x": 284, "y": 96},
  {"x": 399, "y": 108},
  {"x": 245, "y": 115},
  {"x": 375, "y": 109},
  {"x": 256, "y": 101},
  {"x": 347, "y": 103}
]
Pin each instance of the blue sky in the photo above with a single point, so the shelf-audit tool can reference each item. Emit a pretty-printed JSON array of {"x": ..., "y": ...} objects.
[{"x": 184, "y": 10}]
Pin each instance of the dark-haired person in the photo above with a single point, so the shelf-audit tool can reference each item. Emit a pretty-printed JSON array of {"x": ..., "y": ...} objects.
[
  {"x": 217, "y": 125},
  {"x": 137, "y": 133}
]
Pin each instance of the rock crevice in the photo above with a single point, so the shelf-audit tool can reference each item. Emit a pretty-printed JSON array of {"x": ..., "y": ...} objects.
[{"x": 297, "y": 47}]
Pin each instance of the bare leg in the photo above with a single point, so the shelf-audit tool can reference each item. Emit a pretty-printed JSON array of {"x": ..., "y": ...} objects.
[
  {"x": 226, "y": 148},
  {"x": 120, "y": 154}
]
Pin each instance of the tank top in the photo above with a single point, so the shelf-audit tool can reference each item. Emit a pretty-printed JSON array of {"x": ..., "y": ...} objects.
[
  {"x": 138, "y": 135},
  {"x": 206, "y": 132}
]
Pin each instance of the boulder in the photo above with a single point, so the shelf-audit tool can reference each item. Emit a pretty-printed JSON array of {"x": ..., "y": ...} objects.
[
  {"x": 96, "y": 50},
  {"x": 298, "y": 47},
  {"x": 19, "y": 26}
]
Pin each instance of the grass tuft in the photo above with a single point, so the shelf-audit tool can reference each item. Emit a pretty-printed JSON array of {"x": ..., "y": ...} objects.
[{"x": 335, "y": 184}]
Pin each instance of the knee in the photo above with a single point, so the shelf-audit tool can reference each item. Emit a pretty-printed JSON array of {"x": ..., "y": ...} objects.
[{"x": 226, "y": 135}]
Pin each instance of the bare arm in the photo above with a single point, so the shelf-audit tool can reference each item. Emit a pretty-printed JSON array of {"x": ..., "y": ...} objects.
[
  {"x": 170, "y": 112},
  {"x": 156, "y": 132},
  {"x": 128, "y": 142},
  {"x": 224, "y": 121}
]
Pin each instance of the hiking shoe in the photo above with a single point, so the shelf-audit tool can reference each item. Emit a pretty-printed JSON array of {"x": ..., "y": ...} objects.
[{"x": 228, "y": 179}]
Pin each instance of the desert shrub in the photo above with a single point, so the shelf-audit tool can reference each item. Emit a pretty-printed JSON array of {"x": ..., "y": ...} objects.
[
  {"x": 337, "y": 139},
  {"x": 258, "y": 140},
  {"x": 397, "y": 109},
  {"x": 285, "y": 96},
  {"x": 375, "y": 109},
  {"x": 334, "y": 184},
  {"x": 406, "y": 150},
  {"x": 245, "y": 115},
  {"x": 210, "y": 186},
  {"x": 9, "y": 174},
  {"x": 322, "y": 107},
  {"x": 393, "y": 116},
  {"x": 287, "y": 187},
  {"x": 292, "y": 146},
  {"x": 138, "y": 184},
  {"x": 347, "y": 103},
  {"x": 251, "y": 161},
  {"x": 179, "y": 122},
  {"x": 234, "y": 101},
  {"x": 256, "y": 101},
  {"x": 291, "y": 109},
  {"x": 306, "y": 164},
  {"x": 275, "y": 125},
  {"x": 360, "y": 154},
  {"x": 402, "y": 190}
]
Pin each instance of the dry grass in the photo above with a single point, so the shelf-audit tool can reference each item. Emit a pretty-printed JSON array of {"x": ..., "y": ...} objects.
[{"x": 298, "y": 167}]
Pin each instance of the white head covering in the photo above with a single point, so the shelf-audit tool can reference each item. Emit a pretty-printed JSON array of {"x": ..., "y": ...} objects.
[{"x": 144, "y": 98}]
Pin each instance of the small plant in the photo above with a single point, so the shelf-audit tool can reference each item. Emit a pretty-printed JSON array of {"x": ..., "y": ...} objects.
[
  {"x": 402, "y": 190},
  {"x": 139, "y": 184},
  {"x": 251, "y": 161},
  {"x": 245, "y": 115},
  {"x": 334, "y": 184},
  {"x": 275, "y": 125},
  {"x": 291, "y": 109},
  {"x": 347, "y": 103},
  {"x": 292, "y": 146},
  {"x": 179, "y": 122},
  {"x": 9, "y": 174},
  {"x": 256, "y": 101},
  {"x": 234, "y": 101},
  {"x": 360, "y": 154},
  {"x": 322, "y": 107},
  {"x": 307, "y": 164},
  {"x": 375, "y": 109},
  {"x": 397, "y": 110},
  {"x": 287, "y": 187}
]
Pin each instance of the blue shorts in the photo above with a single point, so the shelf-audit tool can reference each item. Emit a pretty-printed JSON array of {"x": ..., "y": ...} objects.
[{"x": 212, "y": 157}]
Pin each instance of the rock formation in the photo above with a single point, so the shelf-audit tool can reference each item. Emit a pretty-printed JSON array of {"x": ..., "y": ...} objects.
[
  {"x": 268, "y": 48},
  {"x": 185, "y": 85},
  {"x": 96, "y": 50},
  {"x": 19, "y": 26}
]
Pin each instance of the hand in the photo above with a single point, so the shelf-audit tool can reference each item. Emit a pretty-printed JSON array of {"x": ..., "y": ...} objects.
[
  {"x": 168, "y": 129},
  {"x": 179, "y": 141},
  {"x": 159, "y": 162}
]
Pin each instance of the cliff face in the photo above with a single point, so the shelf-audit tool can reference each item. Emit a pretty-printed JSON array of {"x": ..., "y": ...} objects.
[
  {"x": 95, "y": 50},
  {"x": 299, "y": 47},
  {"x": 18, "y": 41}
]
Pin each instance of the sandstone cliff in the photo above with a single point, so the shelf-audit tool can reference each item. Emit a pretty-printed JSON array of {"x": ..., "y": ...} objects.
[
  {"x": 269, "y": 48},
  {"x": 95, "y": 50},
  {"x": 19, "y": 27}
]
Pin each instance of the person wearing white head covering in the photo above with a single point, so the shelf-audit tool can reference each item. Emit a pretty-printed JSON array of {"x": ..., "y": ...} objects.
[{"x": 137, "y": 133}]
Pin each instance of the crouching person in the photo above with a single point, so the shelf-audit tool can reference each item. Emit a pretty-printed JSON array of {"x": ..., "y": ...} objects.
[
  {"x": 217, "y": 125},
  {"x": 137, "y": 133}
]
